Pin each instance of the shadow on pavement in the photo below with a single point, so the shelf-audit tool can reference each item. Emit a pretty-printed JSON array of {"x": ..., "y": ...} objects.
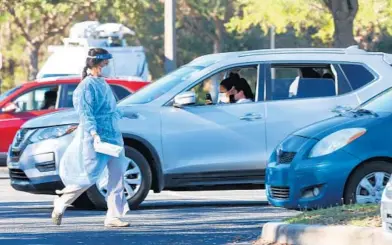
[
  {"x": 156, "y": 222},
  {"x": 122, "y": 237}
]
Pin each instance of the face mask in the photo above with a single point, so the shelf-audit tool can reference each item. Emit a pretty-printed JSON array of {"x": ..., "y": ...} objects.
[
  {"x": 105, "y": 71},
  {"x": 222, "y": 98}
]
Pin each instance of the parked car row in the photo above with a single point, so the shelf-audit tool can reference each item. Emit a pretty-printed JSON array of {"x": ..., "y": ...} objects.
[
  {"x": 177, "y": 141},
  {"x": 43, "y": 96}
]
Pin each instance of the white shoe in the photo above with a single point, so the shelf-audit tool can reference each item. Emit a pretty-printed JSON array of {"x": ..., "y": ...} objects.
[
  {"x": 116, "y": 222},
  {"x": 56, "y": 218}
]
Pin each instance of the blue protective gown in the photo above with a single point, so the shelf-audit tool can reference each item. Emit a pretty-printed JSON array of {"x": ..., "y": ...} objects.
[{"x": 96, "y": 106}]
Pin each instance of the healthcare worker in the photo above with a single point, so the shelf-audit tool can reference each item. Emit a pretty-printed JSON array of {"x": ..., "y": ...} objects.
[{"x": 81, "y": 166}]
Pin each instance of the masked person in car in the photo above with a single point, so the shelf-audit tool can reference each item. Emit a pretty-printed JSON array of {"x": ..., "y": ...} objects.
[
  {"x": 235, "y": 90},
  {"x": 225, "y": 86},
  {"x": 81, "y": 165}
]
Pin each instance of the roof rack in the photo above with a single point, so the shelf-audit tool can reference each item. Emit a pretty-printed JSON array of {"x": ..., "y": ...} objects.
[
  {"x": 354, "y": 49},
  {"x": 291, "y": 51},
  {"x": 350, "y": 50}
]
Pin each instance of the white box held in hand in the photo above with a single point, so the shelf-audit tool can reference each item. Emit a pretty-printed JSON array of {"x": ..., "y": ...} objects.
[{"x": 108, "y": 149}]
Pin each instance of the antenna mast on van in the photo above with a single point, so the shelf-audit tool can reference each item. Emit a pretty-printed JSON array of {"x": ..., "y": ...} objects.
[{"x": 95, "y": 34}]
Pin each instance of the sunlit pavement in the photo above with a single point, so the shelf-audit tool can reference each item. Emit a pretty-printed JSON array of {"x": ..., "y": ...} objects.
[{"x": 167, "y": 218}]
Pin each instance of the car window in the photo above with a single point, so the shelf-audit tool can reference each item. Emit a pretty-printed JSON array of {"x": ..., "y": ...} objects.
[
  {"x": 43, "y": 98},
  {"x": 68, "y": 102},
  {"x": 119, "y": 91},
  {"x": 207, "y": 92},
  {"x": 250, "y": 75},
  {"x": 7, "y": 93},
  {"x": 300, "y": 81},
  {"x": 156, "y": 89},
  {"x": 357, "y": 75}
]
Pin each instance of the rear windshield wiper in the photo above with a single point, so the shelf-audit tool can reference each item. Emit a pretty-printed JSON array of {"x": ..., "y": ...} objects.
[{"x": 364, "y": 111}]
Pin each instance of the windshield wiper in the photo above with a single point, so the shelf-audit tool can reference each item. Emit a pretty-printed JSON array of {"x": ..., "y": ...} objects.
[{"x": 364, "y": 111}]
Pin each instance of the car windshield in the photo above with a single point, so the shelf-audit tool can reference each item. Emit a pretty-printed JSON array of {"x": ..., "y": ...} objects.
[
  {"x": 8, "y": 93},
  {"x": 380, "y": 103},
  {"x": 161, "y": 86}
]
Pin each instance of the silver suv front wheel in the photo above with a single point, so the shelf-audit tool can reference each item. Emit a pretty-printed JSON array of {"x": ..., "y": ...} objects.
[{"x": 137, "y": 181}]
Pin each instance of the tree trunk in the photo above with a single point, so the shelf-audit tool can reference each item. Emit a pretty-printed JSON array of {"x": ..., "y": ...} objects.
[
  {"x": 343, "y": 12},
  {"x": 11, "y": 64},
  {"x": 344, "y": 36},
  {"x": 33, "y": 51},
  {"x": 219, "y": 35}
]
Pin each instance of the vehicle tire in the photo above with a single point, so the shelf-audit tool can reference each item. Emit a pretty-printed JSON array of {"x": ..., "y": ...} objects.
[
  {"x": 83, "y": 202},
  {"x": 139, "y": 163},
  {"x": 358, "y": 190}
]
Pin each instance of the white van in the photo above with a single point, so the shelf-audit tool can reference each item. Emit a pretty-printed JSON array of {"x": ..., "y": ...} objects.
[{"x": 69, "y": 59}]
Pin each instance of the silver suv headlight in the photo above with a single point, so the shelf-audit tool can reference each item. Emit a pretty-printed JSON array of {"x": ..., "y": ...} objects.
[{"x": 52, "y": 132}]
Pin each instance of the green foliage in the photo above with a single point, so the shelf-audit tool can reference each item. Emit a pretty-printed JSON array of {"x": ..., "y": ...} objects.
[
  {"x": 146, "y": 18},
  {"x": 283, "y": 14},
  {"x": 304, "y": 14},
  {"x": 365, "y": 215},
  {"x": 203, "y": 26}
]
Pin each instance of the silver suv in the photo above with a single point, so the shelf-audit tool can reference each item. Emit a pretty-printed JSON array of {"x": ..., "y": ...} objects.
[{"x": 178, "y": 141}]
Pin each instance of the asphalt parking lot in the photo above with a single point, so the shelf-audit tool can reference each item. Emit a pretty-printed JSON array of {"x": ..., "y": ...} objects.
[{"x": 208, "y": 217}]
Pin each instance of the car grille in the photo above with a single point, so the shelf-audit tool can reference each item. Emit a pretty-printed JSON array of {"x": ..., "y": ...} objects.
[
  {"x": 46, "y": 167},
  {"x": 280, "y": 192},
  {"x": 285, "y": 157},
  {"x": 18, "y": 174}
]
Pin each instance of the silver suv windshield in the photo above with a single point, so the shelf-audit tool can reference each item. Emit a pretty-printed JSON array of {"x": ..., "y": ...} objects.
[{"x": 161, "y": 86}]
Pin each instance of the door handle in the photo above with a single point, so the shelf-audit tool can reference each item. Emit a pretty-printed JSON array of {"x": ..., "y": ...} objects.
[{"x": 251, "y": 117}]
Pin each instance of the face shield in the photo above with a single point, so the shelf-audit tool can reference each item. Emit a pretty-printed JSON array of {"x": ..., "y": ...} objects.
[
  {"x": 108, "y": 70},
  {"x": 108, "y": 64}
]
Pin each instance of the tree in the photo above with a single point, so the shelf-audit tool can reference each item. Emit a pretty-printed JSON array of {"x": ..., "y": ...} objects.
[
  {"x": 40, "y": 20},
  {"x": 343, "y": 12},
  {"x": 145, "y": 17},
  {"x": 283, "y": 15},
  {"x": 207, "y": 17},
  {"x": 12, "y": 46},
  {"x": 340, "y": 23},
  {"x": 373, "y": 24}
]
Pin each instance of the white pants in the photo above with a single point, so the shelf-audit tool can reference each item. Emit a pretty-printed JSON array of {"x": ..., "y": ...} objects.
[{"x": 116, "y": 200}]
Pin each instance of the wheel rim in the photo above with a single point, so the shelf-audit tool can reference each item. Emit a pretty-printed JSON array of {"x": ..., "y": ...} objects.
[
  {"x": 132, "y": 181},
  {"x": 371, "y": 187}
]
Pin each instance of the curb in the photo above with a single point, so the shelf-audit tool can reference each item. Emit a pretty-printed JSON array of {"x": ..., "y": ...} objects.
[{"x": 324, "y": 235}]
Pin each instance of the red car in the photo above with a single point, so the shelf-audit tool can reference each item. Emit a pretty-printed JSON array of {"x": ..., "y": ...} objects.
[{"x": 40, "y": 97}]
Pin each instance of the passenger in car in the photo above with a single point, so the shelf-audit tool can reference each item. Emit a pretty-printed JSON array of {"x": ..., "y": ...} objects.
[
  {"x": 242, "y": 92},
  {"x": 225, "y": 86},
  {"x": 236, "y": 90},
  {"x": 50, "y": 98}
]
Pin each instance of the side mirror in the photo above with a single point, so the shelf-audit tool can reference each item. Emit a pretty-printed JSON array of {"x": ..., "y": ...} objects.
[
  {"x": 10, "y": 107},
  {"x": 185, "y": 98}
]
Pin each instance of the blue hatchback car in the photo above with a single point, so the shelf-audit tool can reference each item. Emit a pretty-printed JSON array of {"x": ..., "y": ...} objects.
[{"x": 345, "y": 159}]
